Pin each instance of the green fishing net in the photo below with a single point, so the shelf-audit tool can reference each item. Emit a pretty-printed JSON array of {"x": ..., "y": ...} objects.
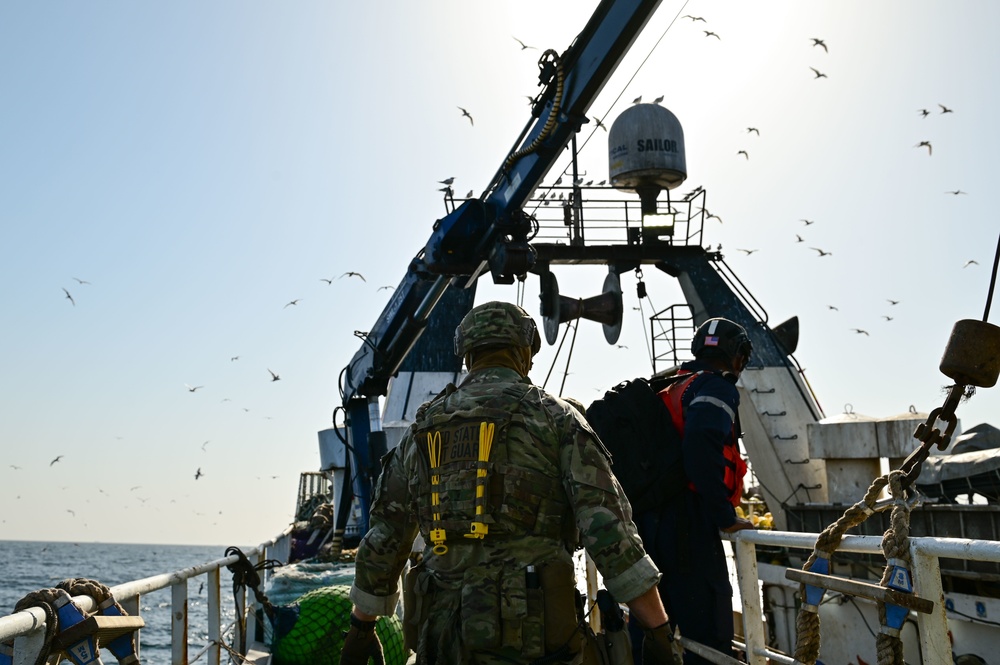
[{"x": 316, "y": 634}]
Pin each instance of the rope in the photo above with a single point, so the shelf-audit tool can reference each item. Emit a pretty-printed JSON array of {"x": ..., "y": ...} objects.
[
  {"x": 896, "y": 548},
  {"x": 43, "y": 598},
  {"x": 807, "y": 622},
  {"x": 550, "y": 123},
  {"x": 245, "y": 574}
]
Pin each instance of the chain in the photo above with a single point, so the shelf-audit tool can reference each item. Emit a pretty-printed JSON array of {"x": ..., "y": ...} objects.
[{"x": 929, "y": 435}]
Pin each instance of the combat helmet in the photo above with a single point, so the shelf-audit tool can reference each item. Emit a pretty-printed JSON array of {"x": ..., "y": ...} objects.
[
  {"x": 721, "y": 337},
  {"x": 496, "y": 323}
]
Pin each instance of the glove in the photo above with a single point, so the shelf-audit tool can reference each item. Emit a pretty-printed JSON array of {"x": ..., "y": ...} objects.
[
  {"x": 361, "y": 643},
  {"x": 661, "y": 647}
]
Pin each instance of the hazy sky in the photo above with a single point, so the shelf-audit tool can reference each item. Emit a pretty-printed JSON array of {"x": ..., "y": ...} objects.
[{"x": 202, "y": 165}]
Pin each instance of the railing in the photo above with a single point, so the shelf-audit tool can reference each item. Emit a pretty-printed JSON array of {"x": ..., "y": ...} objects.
[
  {"x": 27, "y": 628},
  {"x": 935, "y": 646}
]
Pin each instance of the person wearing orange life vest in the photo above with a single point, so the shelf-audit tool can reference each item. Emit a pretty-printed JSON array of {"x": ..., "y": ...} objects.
[{"x": 682, "y": 536}]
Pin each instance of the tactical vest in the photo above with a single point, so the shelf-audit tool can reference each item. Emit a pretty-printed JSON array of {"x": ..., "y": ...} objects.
[
  {"x": 736, "y": 468},
  {"x": 475, "y": 487}
]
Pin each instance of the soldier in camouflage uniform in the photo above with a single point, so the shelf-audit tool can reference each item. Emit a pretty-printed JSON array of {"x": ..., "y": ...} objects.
[{"x": 504, "y": 482}]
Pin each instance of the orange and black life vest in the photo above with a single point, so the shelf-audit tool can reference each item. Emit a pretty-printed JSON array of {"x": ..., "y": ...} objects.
[{"x": 736, "y": 467}]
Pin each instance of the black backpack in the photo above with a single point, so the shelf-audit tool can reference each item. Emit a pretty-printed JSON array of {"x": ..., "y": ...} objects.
[{"x": 635, "y": 426}]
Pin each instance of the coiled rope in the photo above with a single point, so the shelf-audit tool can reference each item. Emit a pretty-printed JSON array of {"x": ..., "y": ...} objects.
[
  {"x": 896, "y": 548},
  {"x": 245, "y": 574},
  {"x": 44, "y": 599},
  {"x": 553, "y": 114}
]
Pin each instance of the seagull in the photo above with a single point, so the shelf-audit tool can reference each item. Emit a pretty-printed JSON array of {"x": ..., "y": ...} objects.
[
  {"x": 798, "y": 238},
  {"x": 833, "y": 308},
  {"x": 201, "y": 588},
  {"x": 447, "y": 181},
  {"x": 658, "y": 99},
  {"x": 234, "y": 359},
  {"x": 203, "y": 446},
  {"x": 69, "y": 297},
  {"x": 956, "y": 192},
  {"x": 807, "y": 222},
  {"x": 748, "y": 251},
  {"x": 925, "y": 144},
  {"x": 892, "y": 302},
  {"x": 471, "y": 194},
  {"x": 71, "y": 511},
  {"x": 711, "y": 216},
  {"x": 754, "y": 130},
  {"x": 637, "y": 100},
  {"x": 292, "y": 302},
  {"x": 324, "y": 279},
  {"x": 198, "y": 474},
  {"x": 382, "y": 288},
  {"x": 945, "y": 109},
  {"x": 709, "y": 33},
  {"x": 58, "y": 457},
  {"x": 600, "y": 124},
  {"x": 923, "y": 112},
  {"x": 694, "y": 18},
  {"x": 821, "y": 252},
  {"x": 191, "y": 389},
  {"x": 887, "y": 318},
  {"x": 860, "y": 331},
  {"x": 134, "y": 488},
  {"x": 621, "y": 346},
  {"x": 467, "y": 115},
  {"x": 523, "y": 45},
  {"x": 82, "y": 281},
  {"x": 743, "y": 152},
  {"x": 971, "y": 262},
  {"x": 819, "y": 74},
  {"x": 351, "y": 273},
  {"x": 819, "y": 42},
  {"x": 601, "y": 183},
  {"x": 16, "y": 467},
  {"x": 274, "y": 377}
]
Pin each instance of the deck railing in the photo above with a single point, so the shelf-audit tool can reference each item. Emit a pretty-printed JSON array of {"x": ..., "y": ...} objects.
[{"x": 27, "y": 628}]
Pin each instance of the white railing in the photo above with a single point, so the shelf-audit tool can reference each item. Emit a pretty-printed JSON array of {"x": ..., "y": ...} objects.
[
  {"x": 935, "y": 646},
  {"x": 27, "y": 628}
]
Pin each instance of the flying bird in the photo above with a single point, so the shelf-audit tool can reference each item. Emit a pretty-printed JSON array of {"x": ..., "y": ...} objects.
[
  {"x": 324, "y": 279},
  {"x": 198, "y": 474},
  {"x": 860, "y": 331},
  {"x": 58, "y": 457},
  {"x": 748, "y": 251},
  {"x": 971, "y": 262},
  {"x": 819, "y": 42},
  {"x": 351, "y": 273},
  {"x": 234, "y": 359},
  {"x": 292, "y": 302},
  {"x": 388, "y": 286},
  {"x": 743, "y": 152},
  {"x": 833, "y": 308},
  {"x": 923, "y": 112},
  {"x": 956, "y": 192},
  {"x": 799, "y": 238},
  {"x": 69, "y": 297},
  {"x": 16, "y": 467},
  {"x": 892, "y": 302},
  {"x": 694, "y": 18},
  {"x": 523, "y": 45},
  {"x": 709, "y": 215},
  {"x": 274, "y": 377},
  {"x": 203, "y": 446},
  {"x": 71, "y": 512},
  {"x": 709, "y": 33},
  {"x": 819, "y": 74},
  {"x": 467, "y": 115},
  {"x": 600, "y": 124},
  {"x": 887, "y": 318},
  {"x": 82, "y": 281},
  {"x": 754, "y": 130},
  {"x": 191, "y": 389},
  {"x": 807, "y": 222},
  {"x": 925, "y": 144},
  {"x": 945, "y": 109},
  {"x": 821, "y": 252}
]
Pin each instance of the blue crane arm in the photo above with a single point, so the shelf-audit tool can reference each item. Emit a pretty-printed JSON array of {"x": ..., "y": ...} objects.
[{"x": 493, "y": 231}]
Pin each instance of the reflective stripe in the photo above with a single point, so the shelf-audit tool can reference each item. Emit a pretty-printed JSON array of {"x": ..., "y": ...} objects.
[
  {"x": 716, "y": 402},
  {"x": 712, "y": 326}
]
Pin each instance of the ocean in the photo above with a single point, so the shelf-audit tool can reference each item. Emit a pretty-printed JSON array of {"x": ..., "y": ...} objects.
[{"x": 30, "y": 566}]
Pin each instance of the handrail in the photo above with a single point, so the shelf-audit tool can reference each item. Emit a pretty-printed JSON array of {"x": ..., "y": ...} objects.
[{"x": 27, "y": 627}]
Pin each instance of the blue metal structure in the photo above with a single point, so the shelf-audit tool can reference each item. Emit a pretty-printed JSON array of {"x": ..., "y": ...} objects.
[{"x": 488, "y": 232}]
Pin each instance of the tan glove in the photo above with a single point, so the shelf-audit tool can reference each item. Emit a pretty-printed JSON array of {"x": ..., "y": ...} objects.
[
  {"x": 361, "y": 643},
  {"x": 661, "y": 647}
]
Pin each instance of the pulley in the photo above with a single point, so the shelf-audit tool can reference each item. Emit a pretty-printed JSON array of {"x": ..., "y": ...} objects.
[{"x": 605, "y": 308}]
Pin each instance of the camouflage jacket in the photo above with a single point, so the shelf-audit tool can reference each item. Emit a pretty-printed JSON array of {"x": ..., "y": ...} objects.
[{"x": 546, "y": 488}]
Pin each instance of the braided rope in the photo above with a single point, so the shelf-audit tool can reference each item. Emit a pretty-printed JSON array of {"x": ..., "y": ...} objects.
[
  {"x": 807, "y": 638},
  {"x": 43, "y": 598},
  {"x": 895, "y": 547}
]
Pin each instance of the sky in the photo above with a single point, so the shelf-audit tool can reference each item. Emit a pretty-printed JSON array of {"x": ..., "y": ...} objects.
[{"x": 187, "y": 170}]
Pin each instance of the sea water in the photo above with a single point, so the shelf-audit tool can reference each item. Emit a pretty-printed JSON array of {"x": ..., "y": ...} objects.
[{"x": 30, "y": 566}]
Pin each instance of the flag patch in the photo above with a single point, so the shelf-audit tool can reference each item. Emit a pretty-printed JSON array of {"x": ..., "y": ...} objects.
[{"x": 712, "y": 340}]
